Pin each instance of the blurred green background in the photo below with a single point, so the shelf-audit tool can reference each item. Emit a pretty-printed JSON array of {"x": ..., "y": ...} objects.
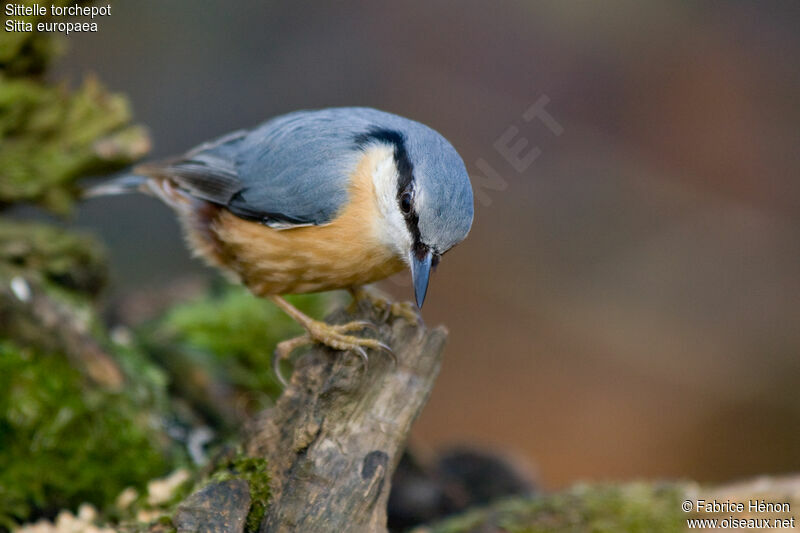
[{"x": 629, "y": 305}]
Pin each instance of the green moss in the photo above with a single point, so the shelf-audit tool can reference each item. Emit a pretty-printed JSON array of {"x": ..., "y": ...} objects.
[
  {"x": 240, "y": 332},
  {"x": 52, "y": 137},
  {"x": 254, "y": 471},
  {"x": 63, "y": 439},
  {"x": 164, "y": 521},
  {"x": 604, "y": 508},
  {"x": 63, "y": 443}
]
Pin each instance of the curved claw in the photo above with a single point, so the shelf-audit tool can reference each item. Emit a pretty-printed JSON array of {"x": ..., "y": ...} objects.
[
  {"x": 389, "y": 352},
  {"x": 334, "y": 337},
  {"x": 276, "y": 369},
  {"x": 282, "y": 351},
  {"x": 362, "y": 353}
]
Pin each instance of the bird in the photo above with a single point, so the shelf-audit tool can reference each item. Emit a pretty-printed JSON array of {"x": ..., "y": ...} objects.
[{"x": 313, "y": 201}]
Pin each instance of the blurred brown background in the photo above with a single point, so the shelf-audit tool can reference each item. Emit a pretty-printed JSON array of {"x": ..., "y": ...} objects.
[{"x": 629, "y": 305}]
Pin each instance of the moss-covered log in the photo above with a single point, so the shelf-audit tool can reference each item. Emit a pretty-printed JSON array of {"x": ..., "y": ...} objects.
[
  {"x": 629, "y": 508},
  {"x": 335, "y": 435},
  {"x": 47, "y": 277},
  {"x": 641, "y": 507}
]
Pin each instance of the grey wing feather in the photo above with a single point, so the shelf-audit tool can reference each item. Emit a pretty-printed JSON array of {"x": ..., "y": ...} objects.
[
  {"x": 207, "y": 171},
  {"x": 296, "y": 168},
  {"x": 208, "y": 177},
  {"x": 290, "y": 171}
]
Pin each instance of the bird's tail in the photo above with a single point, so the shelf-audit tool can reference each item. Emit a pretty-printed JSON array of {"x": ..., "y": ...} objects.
[{"x": 125, "y": 184}]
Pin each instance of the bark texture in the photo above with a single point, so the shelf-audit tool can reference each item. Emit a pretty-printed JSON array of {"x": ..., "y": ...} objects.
[{"x": 336, "y": 434}]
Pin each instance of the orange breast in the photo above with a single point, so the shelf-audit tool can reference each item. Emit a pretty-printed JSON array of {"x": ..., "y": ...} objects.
[{"x": 344, "y": 253}]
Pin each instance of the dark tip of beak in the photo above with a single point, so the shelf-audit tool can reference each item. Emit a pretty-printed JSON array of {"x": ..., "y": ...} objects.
[{"x": 420, "y": 273}]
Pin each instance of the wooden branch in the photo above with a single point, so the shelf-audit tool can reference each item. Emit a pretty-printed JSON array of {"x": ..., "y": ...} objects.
[{"x": 336, "y": 434}]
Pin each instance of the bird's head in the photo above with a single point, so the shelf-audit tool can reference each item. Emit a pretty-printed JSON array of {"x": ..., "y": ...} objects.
[{"x": 423, "y": 193}]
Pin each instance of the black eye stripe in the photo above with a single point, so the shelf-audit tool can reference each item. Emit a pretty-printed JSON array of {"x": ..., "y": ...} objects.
[{"x": 405, "y": 170}]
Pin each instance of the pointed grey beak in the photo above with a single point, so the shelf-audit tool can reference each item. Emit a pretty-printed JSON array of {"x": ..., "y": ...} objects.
[{"x": 420, "y": 273}]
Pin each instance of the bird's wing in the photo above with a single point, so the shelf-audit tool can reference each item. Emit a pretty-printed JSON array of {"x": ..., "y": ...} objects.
[
  {"x": 292, "y": 170},
  {"x": 207, "y": 171}
]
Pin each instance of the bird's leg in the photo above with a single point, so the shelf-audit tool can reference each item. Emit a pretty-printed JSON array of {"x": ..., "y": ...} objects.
[
  {"x": 334, "y": 336},
  {"x": 404, "y": 310}
]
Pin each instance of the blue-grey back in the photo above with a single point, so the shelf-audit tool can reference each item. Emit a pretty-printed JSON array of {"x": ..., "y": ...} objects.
[
  {"x": 298, "y": 165},
  {"x": 295, "y": 169}
]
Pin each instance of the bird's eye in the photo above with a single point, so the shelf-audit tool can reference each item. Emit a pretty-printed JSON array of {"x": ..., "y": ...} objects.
[{"x": 405, "y": 202}]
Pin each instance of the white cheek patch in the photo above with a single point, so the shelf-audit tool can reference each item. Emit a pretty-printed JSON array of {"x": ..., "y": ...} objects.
[{"x": 391, "y": 229}]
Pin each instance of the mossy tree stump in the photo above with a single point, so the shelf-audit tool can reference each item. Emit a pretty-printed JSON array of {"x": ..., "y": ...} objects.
[{"x": 335, "y": 435}]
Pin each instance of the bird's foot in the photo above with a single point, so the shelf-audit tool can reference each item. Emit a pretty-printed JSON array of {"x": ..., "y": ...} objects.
[
  {"x": 405, "y": 310},
  {"x": 333, "y": 336}
]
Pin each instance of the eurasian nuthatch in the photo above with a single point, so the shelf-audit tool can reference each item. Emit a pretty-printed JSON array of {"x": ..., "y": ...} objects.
[{"x": 314, "y": 201}]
